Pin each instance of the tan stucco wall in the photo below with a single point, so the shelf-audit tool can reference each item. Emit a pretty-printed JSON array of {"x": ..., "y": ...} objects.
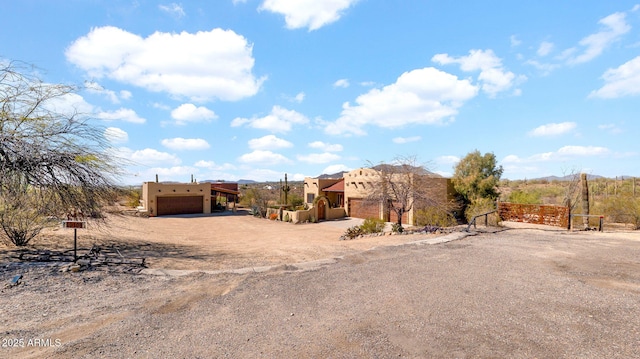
[
  {"x": 314, "y": 186},
  {"x": 152, "y": 190}
]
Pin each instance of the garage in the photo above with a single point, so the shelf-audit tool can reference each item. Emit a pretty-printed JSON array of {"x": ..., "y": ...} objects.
[
  {"x": 358, "y": 209},
  {"x": 180, "y": 205}
]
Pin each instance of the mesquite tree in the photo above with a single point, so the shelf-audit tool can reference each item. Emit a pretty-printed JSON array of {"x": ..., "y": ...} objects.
[{"x": 53, "y": 161}]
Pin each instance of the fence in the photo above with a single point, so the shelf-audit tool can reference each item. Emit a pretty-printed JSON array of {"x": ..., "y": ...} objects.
[{"x": 534, "y": 213}]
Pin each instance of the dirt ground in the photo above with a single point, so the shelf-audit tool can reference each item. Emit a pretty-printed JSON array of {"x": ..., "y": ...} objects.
[{"x": 518, "y": 292}]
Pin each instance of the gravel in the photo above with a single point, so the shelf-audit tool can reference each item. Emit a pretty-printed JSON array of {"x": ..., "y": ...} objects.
[{"x": 518, "y": 293}]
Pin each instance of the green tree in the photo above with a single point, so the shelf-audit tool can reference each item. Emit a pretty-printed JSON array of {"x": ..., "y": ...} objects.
[
  {"x": 53, "y": 161},
  {"x": 477, "y": 176}
]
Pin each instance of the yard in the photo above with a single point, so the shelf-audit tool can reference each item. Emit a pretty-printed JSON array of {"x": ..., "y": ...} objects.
[{"x": 520, "y": 292}]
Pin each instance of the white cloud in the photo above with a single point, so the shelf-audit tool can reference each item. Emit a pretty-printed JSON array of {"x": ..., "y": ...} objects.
[
  {"x": 205, "y": 65},
  {"x": 344, "y": 83},
  {"x": 269, "y": 142},
  {"x": 402, "y": 140},
  {"x": 265, "y": 158},
  {"x": 621, "y": 81},
  {"x": 318, "y": 157},
  {"x": 335, "y": 169},
  {"x": 515, "y": 42},
  {"x": 116, "y": 135},
  {"x": 188, "y": 112},
  {"x": 150, "y": 156},
  {"x": 583, "y": 150},
  {"x": 299, "y": 97},
  {"x": 279, "y": 120},
  {"x": 180, "y": 143},
  {"x": 545, "y": 48},
  {"x": 328, "y": 147},
  {"x": 96, "y": 88},
  {"x": 553, "y": 129},
  {"x": 173, "y": 9},
  {"x": 611, "y": 128},
  {"x": 614, "y": 26},
  {"x": 312, "y": 14},
  {"x": 447, "y": 160},
  {"x": 213, "y": 166},
  {"x": 493, "y": 76},
  {"x": 423, "y": 96},
  {"x": 122, "y": 114},
  {"x": 562, "y": 154}
]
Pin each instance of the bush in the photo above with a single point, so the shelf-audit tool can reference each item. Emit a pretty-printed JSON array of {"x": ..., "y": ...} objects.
[
  {"x": 286, "y": 217},
  {"x": 353, "y": 232},
  {"x": 372, "y": 225},
  {"x": 435, "y": 216},
  {"x": 620, "y": 209},
  {"x": 522, "y": 197},
  {"x": 397, "y": 228},
  {"x": 480, "y": 206}
]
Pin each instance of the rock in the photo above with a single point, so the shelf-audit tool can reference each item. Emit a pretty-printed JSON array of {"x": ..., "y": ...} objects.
[
  {"x": 83, "y": 262},
  {"x": 75, "y": 268}
]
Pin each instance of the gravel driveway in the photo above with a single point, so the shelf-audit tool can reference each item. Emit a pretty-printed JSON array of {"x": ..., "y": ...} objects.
[{"x": 519, "y": 293}]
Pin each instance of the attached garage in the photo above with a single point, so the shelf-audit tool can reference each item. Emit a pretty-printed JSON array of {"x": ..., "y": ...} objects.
[
  {"x": 180, "y": 205},
  {"x": 358, "y": 209}
]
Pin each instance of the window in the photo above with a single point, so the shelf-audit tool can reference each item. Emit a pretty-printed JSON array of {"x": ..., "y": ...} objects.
[{"x": 310, "y": 197}]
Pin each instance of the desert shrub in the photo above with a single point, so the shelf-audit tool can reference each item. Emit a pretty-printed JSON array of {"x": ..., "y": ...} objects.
[
  {"x": 286, "y": 217},
  {"x": 295, "y": 200},
  {"x": 522, "y": 197},
  {"x": 353, "y": 232},
  {"x": 133, "y": 198},
  {"x": 620, "y": 209},
  {"x": 435, "y": 216},
  {"x": 480, "y": 206},
  {"x": 372, "y": 225},
  {"x": 312, "y": 219},
  {"x": 273, "y": 216},
  {"x": 397, "y": 228}
]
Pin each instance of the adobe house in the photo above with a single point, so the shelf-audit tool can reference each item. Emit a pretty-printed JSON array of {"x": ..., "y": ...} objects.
[
  {"x": 160, "y": 199},
  {"x": 350, "y": 192}
]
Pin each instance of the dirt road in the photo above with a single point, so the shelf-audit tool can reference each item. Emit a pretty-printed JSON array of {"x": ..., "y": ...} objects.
[{"x": 516, "y": 293}]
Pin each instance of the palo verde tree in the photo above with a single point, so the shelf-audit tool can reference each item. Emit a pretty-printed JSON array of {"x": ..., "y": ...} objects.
[
  {"x": 53, "y": 161},
  {"x": 400, "y": 186},
  {"x": 476, "y": 178}
]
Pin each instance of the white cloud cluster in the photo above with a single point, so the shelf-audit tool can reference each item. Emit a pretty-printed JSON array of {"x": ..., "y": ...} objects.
[
  {"x": 312, "y": 14},
  {"x": 316, "y": 158},
  {"x": 344, "y": 83},
  {"x": 335, "y": 169},
  {"x": 188, "y": 112},
  {"x": 264, "y": 158},
  {"x": 403, "y": 140},
  {"x": 553, "y": 129},
  {"x": 269, "y": 142},
  {"x": 562, "y": 154},
  {"x": 173, "y": 9},
  {"x": 150, "y": 156},
  {"x": 116, "y": 135},
  {"x": 621, "y": 81},
  {"x": 493, "y": 76},
  {"x": 122, "y": 114},
  {"x": 206, "y": 65},
  {"x": 422, "y": 96},
  {"x": 614, "y": 26},
  {"x": 180, "y": 143},
  {"x": 328, "y": 147},
  {"x": 96, "y": 88},
  {"x": 280, "y": 120}
]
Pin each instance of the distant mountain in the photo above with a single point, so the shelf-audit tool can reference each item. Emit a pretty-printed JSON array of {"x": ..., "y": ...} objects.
[
  {"x": 334, "y": 175},
  {"x": 565, "y": 178},
  {"x": 245, "y": 181}
]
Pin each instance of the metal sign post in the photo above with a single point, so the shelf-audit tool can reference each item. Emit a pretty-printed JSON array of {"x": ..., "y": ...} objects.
[{"x": 75, "y": 225}]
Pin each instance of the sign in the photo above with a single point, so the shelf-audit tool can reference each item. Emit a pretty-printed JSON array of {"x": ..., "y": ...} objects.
[{"x": 74, "y": 224}]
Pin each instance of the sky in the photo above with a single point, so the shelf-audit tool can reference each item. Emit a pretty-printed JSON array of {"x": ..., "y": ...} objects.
[{"x": 254, "y": 89}]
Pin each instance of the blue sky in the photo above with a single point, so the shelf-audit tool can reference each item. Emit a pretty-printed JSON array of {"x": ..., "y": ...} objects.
[{"x": 253, "y": 89}]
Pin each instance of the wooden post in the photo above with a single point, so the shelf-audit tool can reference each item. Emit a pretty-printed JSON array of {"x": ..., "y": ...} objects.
[{"x": 585, "y": 200}]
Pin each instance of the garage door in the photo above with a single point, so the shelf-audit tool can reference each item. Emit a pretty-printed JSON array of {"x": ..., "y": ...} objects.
[
  {"x": 358, "y": 209},
  {"x": 180, "y": 205}
]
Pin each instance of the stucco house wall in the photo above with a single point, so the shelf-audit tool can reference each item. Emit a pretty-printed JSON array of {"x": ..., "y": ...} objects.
[{"x": 151, "y": 191}]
